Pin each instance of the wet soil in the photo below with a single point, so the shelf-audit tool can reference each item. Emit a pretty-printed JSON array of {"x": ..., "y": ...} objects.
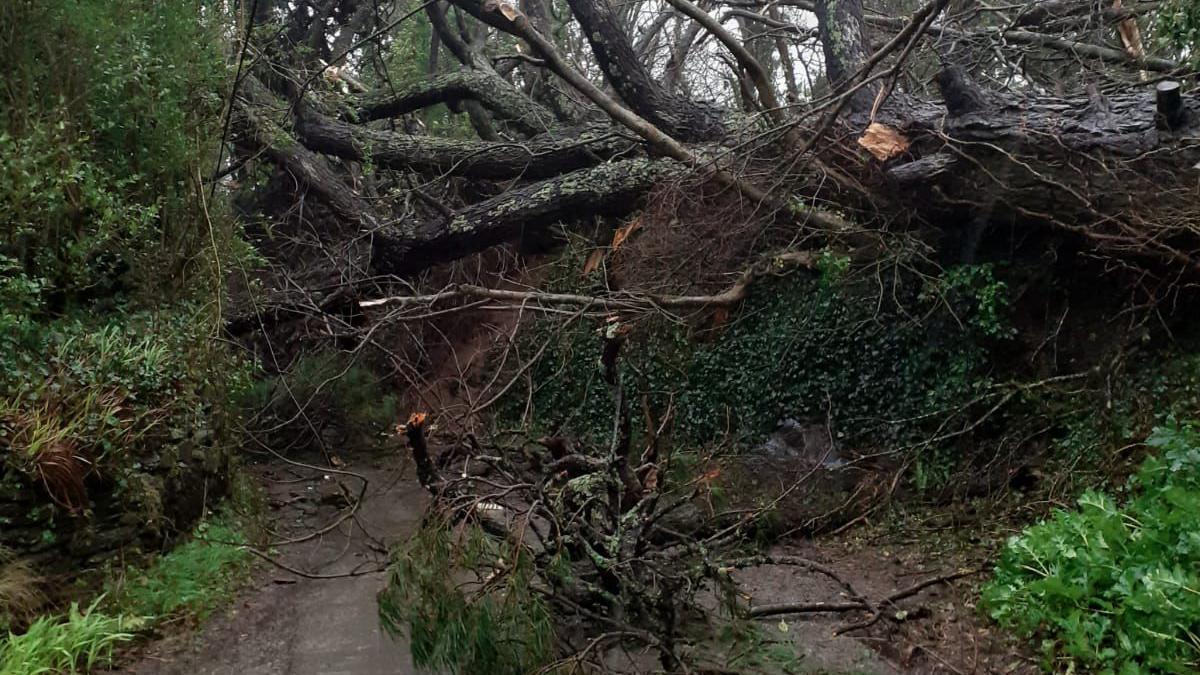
[{"x": 288, "y": 624}]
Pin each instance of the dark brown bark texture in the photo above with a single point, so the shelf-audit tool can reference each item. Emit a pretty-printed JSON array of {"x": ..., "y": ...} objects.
[
  {"x": 609, "y": 188},
  {"x": 1108, "y": 169},
  {"x": 1119, "y": 172}
]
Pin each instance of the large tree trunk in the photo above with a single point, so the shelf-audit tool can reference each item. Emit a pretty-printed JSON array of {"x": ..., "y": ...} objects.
[
  {"x": 1107, "y": 169},
  {"x": 550, "y": 154},
  {"x": 486, "y": 88},
  {"x": 680, "y": 117},
  {"x": 613, "y": 188},
  {"x": 840, "y": 26}
]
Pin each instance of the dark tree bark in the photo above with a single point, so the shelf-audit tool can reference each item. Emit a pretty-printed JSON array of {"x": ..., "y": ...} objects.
[
  {"x": 550, "y": 154},
  {"x": 844, "y": 42},
  {"x": 1110, "y": 170},
  {"x": 259, "y": 133},
  {"x": 1041, "y": 13},
  {"x": 614, "y": 188},
  {"x": 626, "y": 72},
  {"x": 1100, "y": 168},
  {"x": 487, "y": 88}
]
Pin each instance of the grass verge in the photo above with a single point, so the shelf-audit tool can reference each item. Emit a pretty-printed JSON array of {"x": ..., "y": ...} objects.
[
  {"x": 186, "y": 584},
  {"x": 76, "y": 642}
]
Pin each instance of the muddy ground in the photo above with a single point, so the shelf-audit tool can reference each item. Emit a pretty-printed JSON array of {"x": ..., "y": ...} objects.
[{"x": 288, "y": 624}]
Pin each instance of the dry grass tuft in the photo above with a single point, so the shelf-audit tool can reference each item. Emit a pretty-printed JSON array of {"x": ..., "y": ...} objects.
[
  {"x": 61, "y": 470},
  {"x": 20, "y": 594}
]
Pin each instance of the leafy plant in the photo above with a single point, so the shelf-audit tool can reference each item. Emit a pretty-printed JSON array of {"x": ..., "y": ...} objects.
[
  {"x": 108, "y": 257},
  {"x": 112, "y": 390},
  {"x": 1114, "y": 588},
  {"x": 81, "y": 640},
  {"x": 328, "y": 385},
  {"x": 190, "y": 581},
  {"x": 1176, "y": 26},
  {"x": 83, "y": 395},
  {"x": 748, "y": 647},
  {"x": 975, "y": 296},
  {"x": 110, "y": 110},
  {"x": 879, "y": 360}
]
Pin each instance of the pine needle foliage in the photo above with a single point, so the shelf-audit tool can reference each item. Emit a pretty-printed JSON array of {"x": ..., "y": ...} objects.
[{"x": 465, "y": 606}]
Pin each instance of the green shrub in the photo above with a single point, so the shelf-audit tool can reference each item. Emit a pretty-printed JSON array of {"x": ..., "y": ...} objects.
[
  {"x": 113, "y": 393},
  {"x": 111, "y": 110},
  {"x": 108, "y": 257},
  {"x": 1176, "y": 27},
  {"x": 325, "y": 385},
  {"x": 77, "y": 642},
  {"x": 190, "y": 581},
  {"x": 112, "y": 388},
  {"x": 1114, "y": 588}
]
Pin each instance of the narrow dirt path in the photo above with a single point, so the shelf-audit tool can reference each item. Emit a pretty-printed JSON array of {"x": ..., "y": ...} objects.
[{"x": 291, "y": 625}]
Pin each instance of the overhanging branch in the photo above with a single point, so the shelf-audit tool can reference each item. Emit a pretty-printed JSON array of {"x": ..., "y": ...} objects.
[
  {"x": 617, "y": 302},
  {"x": 495, "y": 94},
  {"x": 546, "y": 155}
]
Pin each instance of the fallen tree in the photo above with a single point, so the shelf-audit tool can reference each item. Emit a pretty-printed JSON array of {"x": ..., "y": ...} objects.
[
  {"x": 1113, "y": 169},
  {"x": 602, "y": 533}
]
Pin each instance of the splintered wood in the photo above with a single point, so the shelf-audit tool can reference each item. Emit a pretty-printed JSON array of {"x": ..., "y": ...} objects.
[{"x": 883, "y": 141}]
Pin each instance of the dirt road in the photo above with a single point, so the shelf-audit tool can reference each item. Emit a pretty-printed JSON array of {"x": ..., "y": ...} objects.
[{"x": 292, "y": 625}]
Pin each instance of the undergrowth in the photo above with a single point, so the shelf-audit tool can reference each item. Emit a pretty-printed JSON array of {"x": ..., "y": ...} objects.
[
  {"x": 323, "y": 386},
  {"x": 110, "y": 108},
  {"x": 20, "y": 593},
  {"x": 112, "y": 399},
  {"x": 81, "y": 640},
  {"x": 197, "y": 577},
  {"x": 110, "y": 255},
  {"x": 750, "y": 647},
  {"x": 186, "y": 583},
  {"x": 1110, "y": 586},
  {"x": 878, "y": 361},
  {"x": 116, "y": 416}
]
